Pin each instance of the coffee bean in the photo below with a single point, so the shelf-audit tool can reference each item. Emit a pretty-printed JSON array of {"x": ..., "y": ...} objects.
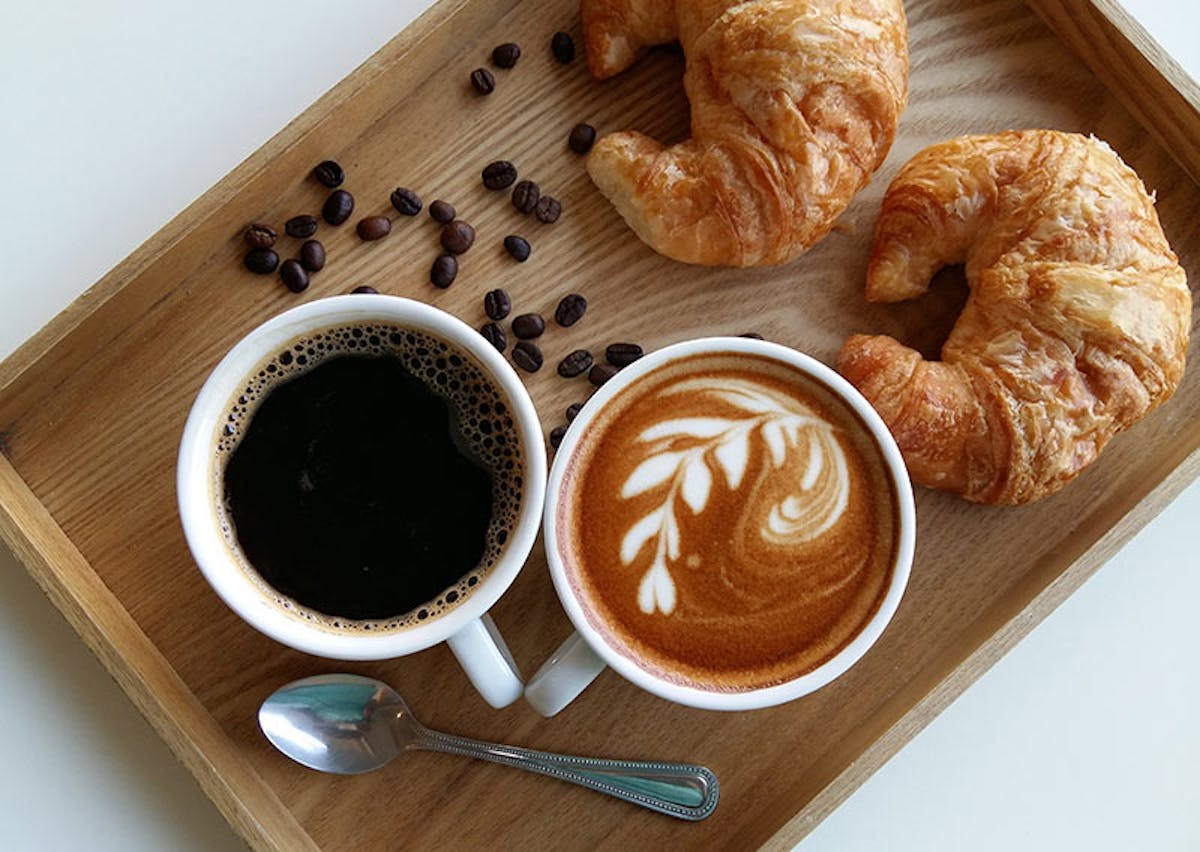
[
  {"x": 517, "y": 247},
  {"x": 442, "y": 211},
  {"x": 259, "y": 236},
  {"x": 499, "y": 175},
  {"x": 497, "y": 304},
  {"x": 494, "y": 335},
  {"x": 406, "y": 201},
  {"x": 563, "y": 48},
  {"x": 570, "y": 310},
  {"x": 751, "y": 335},
  {"x": 457, "y": 236},
  {"x": 261, "y": 261},
  {"x": 556, "y": 436},
  {"x": 293, "y": 275},
  {"x": 483, "y": 81},
  {"x": 338, "y": 207},
  {"x": 582, "y": 137},
  {"x": 444, "y": 271},
  {"x": 573, "y": 410},
  {"x": 601, "y": 373},
  {"x": 548, "y": 209},
  {"x": 312, "y": 256},
  {"x": 373, "y": 228},
  {"x": 301, "y": 227},
  {"x": 527, "y": 356},
  {"x": 575, "y": 363},
  {"x": 528, "y": 326},
  {"x": 622, "y": 354},
  {"x": 506, "y": 55},
  {"x": 329, "y": 174},
  {"x": 525, "y": 196},
  {"x": 364, "y": 289}
]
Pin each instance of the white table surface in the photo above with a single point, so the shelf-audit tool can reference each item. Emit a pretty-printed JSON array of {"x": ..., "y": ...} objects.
[{"x": 115, "y": 114}]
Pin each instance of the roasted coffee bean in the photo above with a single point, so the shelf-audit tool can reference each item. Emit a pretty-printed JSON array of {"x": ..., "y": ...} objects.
[
  {"x": 525, "y": 196},
  {"x": 582, "y": 137},
  {"x": 752, "y": 335},
  {"x": 364, "y": 289},
  {"x": 483, "y": 81},
  {"x": 548, "y": 209},
  {"x": 329, "y": 174},
  {"x": 517, "y": 247},
  {"x": 301, "y": 227},
  {"x": 499, "y": 175},
  {"x": 457, "y": 236},
  {"x": 563, "y": 48},
  {"x": 577, "y": 362},
  {"x": 259, "y": 236},
  {"x": 570, "y": 310},
  {"x": 261, "y": 261},
  {"x": 556, "y": 436},
  {"x": 442, "y": 211},
  {"x": 527, "y": 356},
  {"x": 373, "y": 228},
  {"x": 622, "y": 354},
  {"x": 406, "y": 201},
  {"x": 444, "y": 271},
  {"x": 312, "y": 256},
  {"x": 528, "y": 326},
  {"x": 338, "y": 207},
  {"x": 293, "y": 275},
  {"x": 496, "y": 304},
  {"x": 573, "y": 410},
  {"x": 601, "y": 373},
  {"x": 506, "y": 55},
  {"x": 494, "y": 335}
]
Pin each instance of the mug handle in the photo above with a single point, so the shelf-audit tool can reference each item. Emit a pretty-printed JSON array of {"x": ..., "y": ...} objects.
[
  {"x": 562, "y": 677},
  {"x": 489, "y": 664}
]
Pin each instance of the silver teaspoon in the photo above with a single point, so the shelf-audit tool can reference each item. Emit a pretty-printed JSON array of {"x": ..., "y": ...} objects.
[{"x": 349, "y": 724}]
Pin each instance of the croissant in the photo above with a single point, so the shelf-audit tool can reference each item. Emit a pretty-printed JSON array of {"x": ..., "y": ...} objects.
[
  {"x": 1076, "y": 325},
  {"x": 794, "y": 105}
]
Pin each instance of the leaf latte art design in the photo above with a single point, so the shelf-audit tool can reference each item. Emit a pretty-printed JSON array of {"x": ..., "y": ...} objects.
[{"x": 684, "y": 453}]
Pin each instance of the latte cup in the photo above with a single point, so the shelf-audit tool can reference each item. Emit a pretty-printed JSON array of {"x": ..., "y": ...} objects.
[
  {"x": 460, "y": 619},
  {"x": 597, "y": 642}
]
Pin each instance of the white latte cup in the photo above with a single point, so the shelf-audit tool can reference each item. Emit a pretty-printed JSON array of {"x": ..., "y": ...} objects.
[
  {"x": 466, "y": 627},
  {"x": 587, "y": 652}
]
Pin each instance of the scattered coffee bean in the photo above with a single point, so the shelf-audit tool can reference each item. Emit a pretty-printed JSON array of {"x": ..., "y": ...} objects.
[
  {"x": 570, "y": 310},
  {"x": 752, "y": 335},
  {"x": 494, "y": 335},
  {"x": 563, "y": 48},
  {"x": 527, "y": 356},
  {"x": 406, "y": 201},
  {"x": 442, "y": 211},
  {"x": 499, "y": 175},
  {"x": 457, "y": 236},
  {"x": 548, "y": 209},
  {"x": 293, "y": 275},
  {"x": 483, "y": 81},
  {"x": 601, "y": 373},
  {"x": 301, "y": 227},
  {"x": 261, "y": 261},
  {"x": 338, "y": 207},
  {"x": 312, "y": 256},
  {"x": 506, "y": 55},
  {"x": 573, "y": 410},
  {"x": 582, "y": 137},
  {"x": 496, "y": 304},
  {"x": 444, "y": 271},
  {"x": 364, "y": 289},
  {"x": 259, "y": 236},
  {"x": 622, "y": 354},
  {"x": 528, "y": 326},
  {"x": 373, "y": 228},
  {"x": 525, "y": 196},
  {"x": 329, "y": 174},
  {"x": 556, "y": 436},
  {"x": 517, "y": 247},
  {"x": 577, "y": 362}
]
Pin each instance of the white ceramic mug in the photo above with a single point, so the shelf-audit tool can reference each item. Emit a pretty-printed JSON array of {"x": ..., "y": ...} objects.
[
  {"x": 467, "y": 628},
  {"x": 586, "y": 653}
]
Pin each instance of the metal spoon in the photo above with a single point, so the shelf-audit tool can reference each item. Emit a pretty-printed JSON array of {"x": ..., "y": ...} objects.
[{"x": 348, "y": 724}]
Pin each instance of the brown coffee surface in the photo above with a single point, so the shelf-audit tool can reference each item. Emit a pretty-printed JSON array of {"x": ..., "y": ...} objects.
[{"x": 729, "y": 523}]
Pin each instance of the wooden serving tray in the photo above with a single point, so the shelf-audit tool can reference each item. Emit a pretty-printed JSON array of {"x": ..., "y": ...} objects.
[{"x": 91, "y": 411}]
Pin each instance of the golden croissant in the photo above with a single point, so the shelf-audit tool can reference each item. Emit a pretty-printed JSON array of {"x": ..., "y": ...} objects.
[
  {"x": 794, "y": 105},
  {"x": 1076, "y": 325}
]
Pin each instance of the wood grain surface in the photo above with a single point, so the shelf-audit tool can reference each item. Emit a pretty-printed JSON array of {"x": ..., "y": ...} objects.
[{"x": 92, "y": 408}]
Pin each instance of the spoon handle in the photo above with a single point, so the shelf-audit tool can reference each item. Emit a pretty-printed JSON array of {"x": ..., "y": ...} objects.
[{"x": 676, "y": 789}]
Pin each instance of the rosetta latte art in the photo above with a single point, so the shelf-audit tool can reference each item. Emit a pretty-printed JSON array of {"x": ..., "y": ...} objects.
[{"x": 795, "y": 498}]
